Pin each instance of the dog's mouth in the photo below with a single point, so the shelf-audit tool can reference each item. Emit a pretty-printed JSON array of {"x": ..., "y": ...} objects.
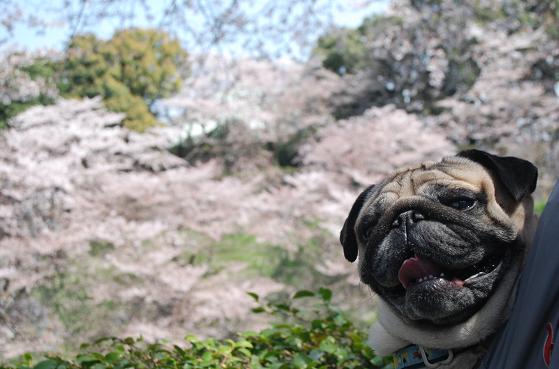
[{"x": 418, "y": 270}]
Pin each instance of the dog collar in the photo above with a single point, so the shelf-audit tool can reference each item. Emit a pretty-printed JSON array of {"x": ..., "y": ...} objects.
[{"x": 415, "y": 356}]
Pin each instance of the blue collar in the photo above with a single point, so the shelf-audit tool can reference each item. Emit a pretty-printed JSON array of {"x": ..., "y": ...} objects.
[{"x": 415, "y": 356}]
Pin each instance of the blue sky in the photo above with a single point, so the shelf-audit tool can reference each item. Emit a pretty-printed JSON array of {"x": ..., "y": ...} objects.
[{"x": 349, "y": 13}]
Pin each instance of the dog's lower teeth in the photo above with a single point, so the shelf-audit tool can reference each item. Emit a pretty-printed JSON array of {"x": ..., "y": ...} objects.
[{"x": 428, "y": 278}]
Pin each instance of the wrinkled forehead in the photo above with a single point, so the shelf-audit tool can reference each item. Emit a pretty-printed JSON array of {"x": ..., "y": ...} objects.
[{"x": 452, "y": 172}]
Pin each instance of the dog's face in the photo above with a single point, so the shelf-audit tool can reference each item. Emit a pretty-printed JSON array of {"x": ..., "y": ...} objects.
[{"x": 435, "y": 241}]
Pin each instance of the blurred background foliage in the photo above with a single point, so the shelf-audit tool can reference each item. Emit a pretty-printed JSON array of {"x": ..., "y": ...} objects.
[
  {"x": 130, "y": 71},
  {"x": 345, "y": 50}
]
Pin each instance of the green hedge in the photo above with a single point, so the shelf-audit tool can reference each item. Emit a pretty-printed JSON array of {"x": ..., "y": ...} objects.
[{"x": 311, "y": 333}]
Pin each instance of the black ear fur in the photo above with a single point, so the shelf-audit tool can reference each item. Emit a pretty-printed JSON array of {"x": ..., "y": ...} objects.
[
  {"x": 348, "y": 238},
  {"x": 519, "y": 176}
]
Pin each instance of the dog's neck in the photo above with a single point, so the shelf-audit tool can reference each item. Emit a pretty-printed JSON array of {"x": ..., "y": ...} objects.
[{"x": 391, "y": 333}]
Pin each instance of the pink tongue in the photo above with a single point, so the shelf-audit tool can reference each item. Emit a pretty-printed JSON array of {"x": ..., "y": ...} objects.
[{"x": 414, "y": 268}]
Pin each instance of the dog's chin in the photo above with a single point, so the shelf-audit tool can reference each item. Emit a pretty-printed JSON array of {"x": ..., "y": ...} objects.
[{"x": 448, "y": 299}]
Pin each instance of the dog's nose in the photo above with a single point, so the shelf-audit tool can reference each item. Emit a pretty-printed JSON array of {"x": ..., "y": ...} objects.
[{"x": 408, "y": 217}]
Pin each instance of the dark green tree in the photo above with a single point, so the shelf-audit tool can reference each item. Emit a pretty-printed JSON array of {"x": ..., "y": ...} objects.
[{"x": 346, "y": 50}]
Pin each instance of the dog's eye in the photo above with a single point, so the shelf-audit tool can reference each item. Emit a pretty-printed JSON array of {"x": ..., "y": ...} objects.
[
  {"x": 461, "y": 203},
  {"x": 367, "y": 226}
]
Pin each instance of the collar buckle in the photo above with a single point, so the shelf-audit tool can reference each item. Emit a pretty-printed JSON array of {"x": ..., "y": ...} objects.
[
  {"x": 416, "y": 357},
  {"x": 429, "y": 364}
]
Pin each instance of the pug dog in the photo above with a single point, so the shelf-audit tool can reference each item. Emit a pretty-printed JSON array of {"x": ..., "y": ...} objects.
[{"x": 442, "y": 245}]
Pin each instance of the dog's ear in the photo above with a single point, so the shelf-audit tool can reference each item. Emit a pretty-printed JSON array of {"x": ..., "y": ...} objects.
[
  {"x": 519, "y": 176},
  {"x": 348, "y": 238}
]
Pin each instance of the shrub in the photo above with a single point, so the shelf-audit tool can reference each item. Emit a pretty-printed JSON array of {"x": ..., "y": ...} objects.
[
  {"x": 25, "y": 80},
  {"x": 131, "y": 71},
  {"x": 388, "y": 61},
  {"x": 521, "y": 15},
  {"x": 317, "y": 337},
  {"x": 342, "y": 51},
  {"x": 286, "y": 151},
  {"x": 239, "y": 147},
  {"x": 346, "y": 50}
]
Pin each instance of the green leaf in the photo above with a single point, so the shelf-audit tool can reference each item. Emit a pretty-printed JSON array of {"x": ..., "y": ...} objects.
[
  {"x": 326, "y": 294},
  {"x": 377, "y": 360},
  {"x": 328, "y": 345},
  {"x": 86, "y": 359},
  {"x": 207, "y": 357},
  {"x": 316, "y": 354},
  {"x": 101, "y": 340},
  {"x": 254, "y": 296},
  {"x": 302, "y": 294},
  {"x": 283, "y": 307},
  {"x": 244, "y": 343},
  {"x": 112, "y": 357},
  {"x": 300, "y": 361},
  {"x": 46, "y": 364},
  {"x": 244, "y": 351}
]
